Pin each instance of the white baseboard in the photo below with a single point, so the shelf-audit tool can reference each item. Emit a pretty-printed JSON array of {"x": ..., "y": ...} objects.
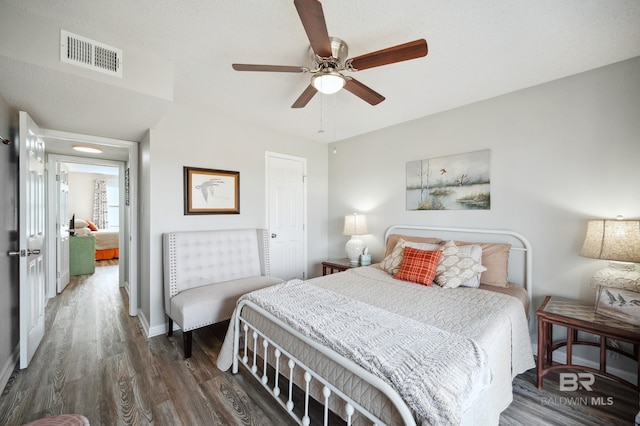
[
  {"x": 8, "y": 368},
  {"x": 156, "y": 330},
  {"x": 560, "y": 356},
  {"x": 144, "y": 323}
]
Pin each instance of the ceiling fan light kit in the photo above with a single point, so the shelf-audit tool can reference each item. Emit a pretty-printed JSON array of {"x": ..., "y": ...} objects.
[
  {"x": 328, "y": 82},
  {"x": 329, "y": 59}
]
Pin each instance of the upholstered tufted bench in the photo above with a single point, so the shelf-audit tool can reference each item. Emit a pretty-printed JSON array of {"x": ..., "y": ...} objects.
[{"x": 205, "y": 272}]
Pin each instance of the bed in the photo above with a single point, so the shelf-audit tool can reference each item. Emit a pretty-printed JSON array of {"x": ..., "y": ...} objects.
[
  {"x": 377, "y": 350},
  {"x": 107, "y": 242}
]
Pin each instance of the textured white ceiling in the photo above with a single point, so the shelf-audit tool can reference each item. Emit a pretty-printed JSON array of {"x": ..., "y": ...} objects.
[{"x": 477, "y": 50}]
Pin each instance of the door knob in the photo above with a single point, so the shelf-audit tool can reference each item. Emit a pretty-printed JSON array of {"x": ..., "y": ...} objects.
[
  {"x": 274, "y": 235},
  {"x": 24, "y": 253}
]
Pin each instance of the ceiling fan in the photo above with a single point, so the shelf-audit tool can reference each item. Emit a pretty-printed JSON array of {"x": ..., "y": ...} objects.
[{"x": 329, "y": 59}]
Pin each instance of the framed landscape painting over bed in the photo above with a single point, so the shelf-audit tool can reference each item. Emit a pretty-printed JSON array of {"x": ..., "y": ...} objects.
[
  {"x": 454, "y": 182},
  {"x": 209, "y": 191}
]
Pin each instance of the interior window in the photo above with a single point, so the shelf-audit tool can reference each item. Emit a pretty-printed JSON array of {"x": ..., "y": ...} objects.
[{"x": 113, "y": 202}]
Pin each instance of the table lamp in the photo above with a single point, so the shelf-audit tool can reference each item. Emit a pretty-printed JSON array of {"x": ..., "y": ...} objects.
[
  {"x": 355, "y": 225},
  {"x": 617, "y": 241}
]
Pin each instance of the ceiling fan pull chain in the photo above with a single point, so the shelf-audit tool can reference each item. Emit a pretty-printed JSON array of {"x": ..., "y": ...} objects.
[{"x": 321, "y": 108}]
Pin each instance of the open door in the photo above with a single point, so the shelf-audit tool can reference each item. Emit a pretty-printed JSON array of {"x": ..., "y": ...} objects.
[
  {"x": 62, "y": 226},
  {"x": 31, "y": 217}
]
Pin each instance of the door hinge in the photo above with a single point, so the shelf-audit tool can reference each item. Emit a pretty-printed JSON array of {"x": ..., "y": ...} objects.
[
  {"x": 304, "y": 275},
  {"x": 57, "y": 274},
  {"x": 57, "y": 178}
]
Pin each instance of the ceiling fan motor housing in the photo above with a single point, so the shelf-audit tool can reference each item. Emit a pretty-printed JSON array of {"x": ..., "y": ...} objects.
[{"x": 339, "y": 53}]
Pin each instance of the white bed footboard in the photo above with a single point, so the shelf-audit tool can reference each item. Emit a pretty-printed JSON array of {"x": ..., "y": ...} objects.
[{"x": 257, "y": 343}]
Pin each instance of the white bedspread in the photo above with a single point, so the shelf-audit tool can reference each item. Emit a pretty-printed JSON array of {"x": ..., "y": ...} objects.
[
  {"x": 106, "y": 239},
  {"x": 434, "y": 371},
  {"x": 496, "y": 322}
]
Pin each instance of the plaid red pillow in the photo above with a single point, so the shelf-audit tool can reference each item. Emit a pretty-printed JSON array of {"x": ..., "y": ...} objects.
[{"x": 418, "y": 266}]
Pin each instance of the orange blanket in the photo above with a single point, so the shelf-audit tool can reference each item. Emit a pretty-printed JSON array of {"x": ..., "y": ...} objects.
[{"x": 107, "y": 254}]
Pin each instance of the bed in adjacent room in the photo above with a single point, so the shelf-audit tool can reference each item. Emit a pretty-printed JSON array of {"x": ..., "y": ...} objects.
[
  {"x": 374, "y": 348},
  {"x": 107, "y": 241}
]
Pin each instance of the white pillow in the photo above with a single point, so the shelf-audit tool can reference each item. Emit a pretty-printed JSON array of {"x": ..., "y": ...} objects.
[
  {"x": 79, "y": 223},
  {"x": 459, "y": 266},
  {"x": 392, "y": 262}
]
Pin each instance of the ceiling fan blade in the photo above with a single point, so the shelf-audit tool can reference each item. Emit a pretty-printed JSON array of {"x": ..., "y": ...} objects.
[
  {"x": 306, "y": 96},
  {"x": 270, "y": 68},
  {"x": 312, "y": 17},
  {"x": 363, "y": 92},
  {"x": 402, "y": 52}
]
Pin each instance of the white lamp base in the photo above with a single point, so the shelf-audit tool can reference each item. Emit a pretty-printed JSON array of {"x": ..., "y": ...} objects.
[
  {"x": 618, "y": 275},
  {"x": 354, "y": 249}
]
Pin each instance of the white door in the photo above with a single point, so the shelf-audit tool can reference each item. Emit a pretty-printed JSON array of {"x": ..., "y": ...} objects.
[
  {"x": 62, "y": 226},
  {"x": 286, "y": 215},
  {"x": 31, "y": 219}
]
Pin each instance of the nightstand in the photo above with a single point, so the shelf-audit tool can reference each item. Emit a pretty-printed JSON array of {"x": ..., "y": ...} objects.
[
  {"x": 576, "y": 316},
  {"x": 82, "y": 255},
  {"x": 338, "y": 265}
]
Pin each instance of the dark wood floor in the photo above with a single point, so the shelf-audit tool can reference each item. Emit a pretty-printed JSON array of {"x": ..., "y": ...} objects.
[{"x": 94, "y": 360}]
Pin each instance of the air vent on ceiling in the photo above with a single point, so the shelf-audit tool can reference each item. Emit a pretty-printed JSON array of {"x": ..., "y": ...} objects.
[{"x": 87, "y": 53}]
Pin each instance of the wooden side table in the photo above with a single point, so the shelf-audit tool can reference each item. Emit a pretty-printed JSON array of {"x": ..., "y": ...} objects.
[
  {"x": 339, "y": 265},
  {"x": 576, "y": 317}
]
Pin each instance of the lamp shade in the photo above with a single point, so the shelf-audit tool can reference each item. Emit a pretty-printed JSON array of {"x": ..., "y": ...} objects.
[
  {"x": 355, "y": 224},
  {"x": 617, "y": 240}
]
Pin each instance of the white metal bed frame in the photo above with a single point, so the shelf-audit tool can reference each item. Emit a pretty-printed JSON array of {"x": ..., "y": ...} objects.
[{"x": 270, "y": 380}]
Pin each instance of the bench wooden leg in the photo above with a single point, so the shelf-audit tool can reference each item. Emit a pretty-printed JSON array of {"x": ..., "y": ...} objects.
[
  {"x": 186, "y": 337},
  {"x": 170, "y": 332}
]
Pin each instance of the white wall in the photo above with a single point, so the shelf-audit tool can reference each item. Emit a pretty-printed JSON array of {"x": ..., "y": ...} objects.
[
  {"x": 9, "y": 320},
  {"x": 190, "y": 137},
  {"x": 561, "y": 153},
  {"x": 81, "y": 189}
]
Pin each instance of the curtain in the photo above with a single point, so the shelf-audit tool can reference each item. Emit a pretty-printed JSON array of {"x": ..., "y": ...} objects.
[{"x": 100, "y": 205}]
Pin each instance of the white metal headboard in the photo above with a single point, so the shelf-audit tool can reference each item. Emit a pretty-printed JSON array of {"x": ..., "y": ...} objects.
[{"x": 525, "y": 246}]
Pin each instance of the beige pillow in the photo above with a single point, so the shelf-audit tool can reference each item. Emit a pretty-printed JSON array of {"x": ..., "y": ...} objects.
[
  {"x": 456, "y": 267},
  {"x": 83, "y": 231},
  {"x": 495, "y": 257},
  {"x": 394, "y": 238},
  {"x": 79, "y": 223},
  {"x": 392, "y": 262}
]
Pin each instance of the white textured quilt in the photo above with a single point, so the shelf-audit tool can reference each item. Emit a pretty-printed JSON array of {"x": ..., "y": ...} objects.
[
  {"x": 433, "y": 370},
  {"x": 496, "y": 322}
]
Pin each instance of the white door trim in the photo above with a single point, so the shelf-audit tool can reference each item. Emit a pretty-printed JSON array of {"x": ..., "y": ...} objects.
[
  {"x": 267, "y": 156},
  {"x": 130, "y": 235}
]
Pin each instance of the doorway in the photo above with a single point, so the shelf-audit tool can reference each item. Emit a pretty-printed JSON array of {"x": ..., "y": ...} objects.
[
  {"x": 121, "y": 155},
  {"x": 77, "y": 185}
]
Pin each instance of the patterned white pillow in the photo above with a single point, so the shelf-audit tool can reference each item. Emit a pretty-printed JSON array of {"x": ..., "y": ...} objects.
[
  {"x": 392, "y": 262},
  {"x": 457, "y": 268}
]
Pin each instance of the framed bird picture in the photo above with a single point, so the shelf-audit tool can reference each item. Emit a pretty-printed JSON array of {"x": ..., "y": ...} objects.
[
  {"x": 209, "y": 191},
  {"x": 618, "y": 303}
]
